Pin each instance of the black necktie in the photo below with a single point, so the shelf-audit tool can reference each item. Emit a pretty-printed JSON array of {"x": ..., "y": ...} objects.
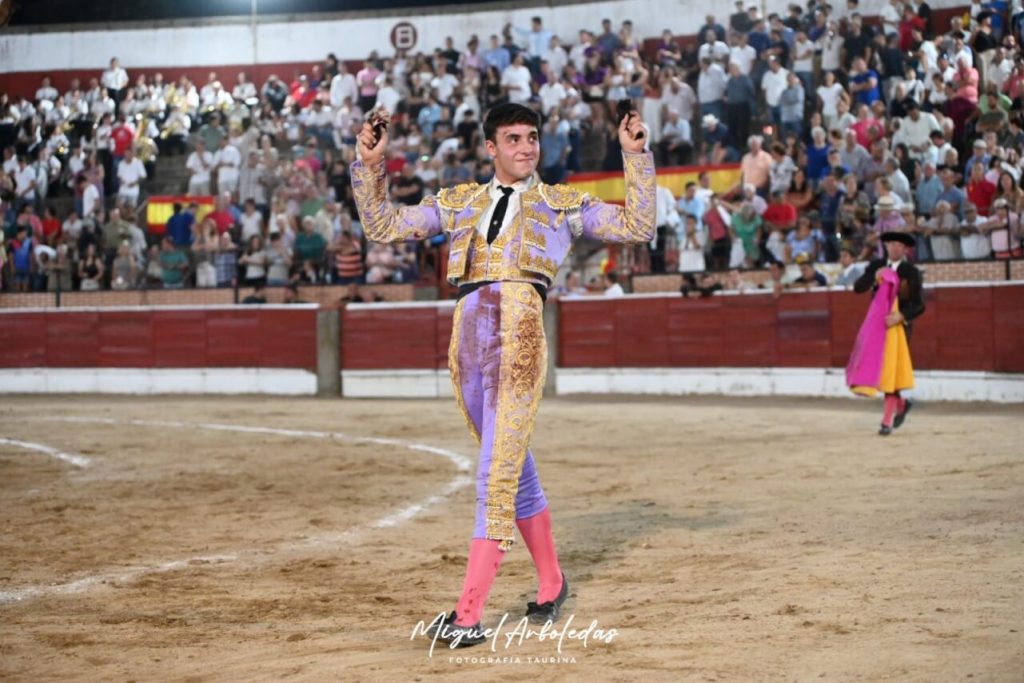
[{"x": 499, "y": 214}]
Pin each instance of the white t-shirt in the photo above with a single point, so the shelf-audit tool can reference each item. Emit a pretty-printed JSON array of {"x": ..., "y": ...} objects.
[
  {"x": 773, "y": 83},
  {"x": 243, "y": 91},
  {"x": 711, "y": 84},
  {"x": 231, "y": 159},
  {"x": 200, "y": 166},
  {"x": 23, "y": 179},
  {"x": 807, "y": 62},
  {"x": 444, "y": 86},
  {"x": 716, "y": 51},
  {"x": 829, "y": 98},
  {"x": 130, "y": 173},
  {"x": 551, "y": 95},
  {"x": 615, "y": 290},
  {"x": 342, "y": 86},
  {"x": 743, "y": 57},
  {"x": 388, "y": 98},
  {"x": 90, "y": 199},
  {"x": 251, "y": 225},
  {"x": 517, "y": 80}
]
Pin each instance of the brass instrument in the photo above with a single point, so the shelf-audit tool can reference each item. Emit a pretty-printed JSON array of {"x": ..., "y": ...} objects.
[
  {"x": 174, "y": 126},
  {"x": 144, "y": 146}
]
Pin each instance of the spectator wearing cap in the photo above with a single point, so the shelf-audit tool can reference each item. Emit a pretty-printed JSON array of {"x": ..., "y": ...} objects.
[
  {"x": 718, "y": 143},
  {"x": 809, "y": 276},
  {"x": 979, "y": 156},
  {"x": 887, "y": 219}
]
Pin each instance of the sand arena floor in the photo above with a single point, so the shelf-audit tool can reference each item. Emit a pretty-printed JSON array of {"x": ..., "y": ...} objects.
[{"x": 739, "y": 540}]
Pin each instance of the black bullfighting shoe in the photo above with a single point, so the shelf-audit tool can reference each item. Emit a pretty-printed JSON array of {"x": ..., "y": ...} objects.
[
  {"x": 450, "y": 632},
  {"x": 884, "y": 430},
  {"x": 548, "y": 611},
  {"x": 901, "y": 418}
]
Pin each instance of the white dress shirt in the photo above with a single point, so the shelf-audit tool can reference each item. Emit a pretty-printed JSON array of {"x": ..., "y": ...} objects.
[{"x": 514, "y": 204}]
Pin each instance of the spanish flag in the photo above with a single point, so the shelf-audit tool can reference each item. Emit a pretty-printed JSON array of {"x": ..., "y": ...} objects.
[{"x": 161, "y": 208}]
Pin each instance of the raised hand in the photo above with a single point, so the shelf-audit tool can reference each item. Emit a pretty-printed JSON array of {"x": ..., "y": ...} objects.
[
  {"x": 372, "y": 140},
  {"x": 632, "y": 134}
]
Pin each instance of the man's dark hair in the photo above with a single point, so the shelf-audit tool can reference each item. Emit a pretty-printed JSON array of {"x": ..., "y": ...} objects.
[
  {"x": 612, "y": 277},
  {"x": 508, "y": 114}
]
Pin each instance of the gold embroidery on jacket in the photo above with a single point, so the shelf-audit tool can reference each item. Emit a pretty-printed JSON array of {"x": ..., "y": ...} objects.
[
  {"x": 520, "y": 384},
  {"x": 453, "y": 366}
]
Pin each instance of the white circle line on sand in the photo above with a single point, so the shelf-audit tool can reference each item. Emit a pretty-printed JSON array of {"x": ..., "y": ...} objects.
[
  {"x": 70, "y": 458},
  {"x": 462, "y": 463}
]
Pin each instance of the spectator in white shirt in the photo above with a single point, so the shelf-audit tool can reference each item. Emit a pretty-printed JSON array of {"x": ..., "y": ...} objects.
[
  {"x": 199, "y": 164},
  {"x": 115, "y": 80},
  {"x": 712, "y": 48},
  {"x": 552, "y": 93},
  {"x": 556, "y": 56},
  {"x": 742, "y": 54},
  {"x": 443, "y": 85},
  {"x": 227, "y": 161},
  {"x": 711, "y": 88},
  {"x": 515, "y": 79},
  {"x": 677, "y": 94},
  {"x": 803, "y": 61},
  {"x": 90, "y": 198},
  {"x": 130, "y": 174},
  {"x": 25, "y": 180},
  {"x": 10, "y": 164},
  {"x": 343, "y": 86},
  {"x": 915, "y": 130},
  {"x": 774, "y": 81},
  {"x": 46, "y": 91},
  {"x": 578, "y": 52},
  {"x": 676, "y": 145},
  {"x": 243, "y": 90},
  {"x": 612, "y": 288}
]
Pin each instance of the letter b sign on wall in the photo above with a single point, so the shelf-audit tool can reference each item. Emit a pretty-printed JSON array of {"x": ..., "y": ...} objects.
[{"x": 403, "y": 36}]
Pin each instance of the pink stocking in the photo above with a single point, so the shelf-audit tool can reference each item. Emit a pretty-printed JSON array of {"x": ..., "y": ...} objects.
[
  {"x": 484, "y": 560},
  {"x": 536, "y": 531},
  {"x": 892, "y": 404}
]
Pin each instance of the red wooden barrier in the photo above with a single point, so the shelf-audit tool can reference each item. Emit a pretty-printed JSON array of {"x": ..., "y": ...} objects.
[
  {"x": 153, "y": 338},
  {"x": 963, "y": 328}
]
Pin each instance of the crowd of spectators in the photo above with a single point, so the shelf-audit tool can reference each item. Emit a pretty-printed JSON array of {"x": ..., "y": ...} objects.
[{"x": 842, "y": 129}]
